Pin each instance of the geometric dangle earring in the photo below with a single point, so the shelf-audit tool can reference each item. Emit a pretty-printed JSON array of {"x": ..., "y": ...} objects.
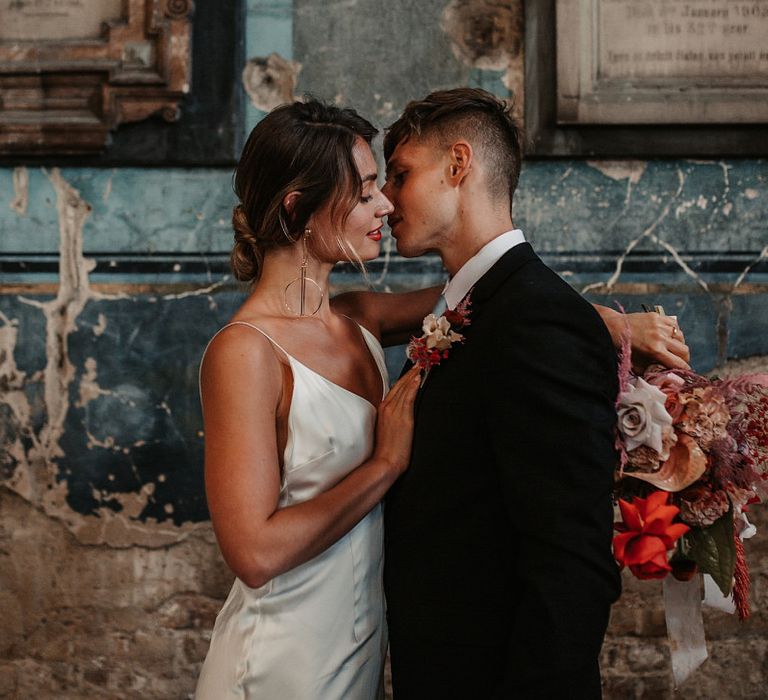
[{"x": 303, "y": 292}]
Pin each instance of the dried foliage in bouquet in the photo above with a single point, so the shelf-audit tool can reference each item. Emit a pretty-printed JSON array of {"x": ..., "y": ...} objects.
[{"x": 693, "y": 458}]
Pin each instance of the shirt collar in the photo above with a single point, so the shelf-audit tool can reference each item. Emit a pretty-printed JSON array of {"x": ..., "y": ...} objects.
[{"x": 457, "y": 287}]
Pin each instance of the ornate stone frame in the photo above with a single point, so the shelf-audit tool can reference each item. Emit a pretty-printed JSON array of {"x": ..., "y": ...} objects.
[
  {"x": 549, "y": 137},
  {"x": 131, "y": 95}
]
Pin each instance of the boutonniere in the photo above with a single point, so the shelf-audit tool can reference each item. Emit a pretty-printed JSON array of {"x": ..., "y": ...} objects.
[{"x": 440, "y": 334}]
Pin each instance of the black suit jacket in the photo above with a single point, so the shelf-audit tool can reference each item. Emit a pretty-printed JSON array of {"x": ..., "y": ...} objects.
[{"x": 499, "y": 574}]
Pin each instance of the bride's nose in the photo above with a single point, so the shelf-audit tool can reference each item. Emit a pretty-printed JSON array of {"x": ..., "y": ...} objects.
[{"x": 385, "y": 206}]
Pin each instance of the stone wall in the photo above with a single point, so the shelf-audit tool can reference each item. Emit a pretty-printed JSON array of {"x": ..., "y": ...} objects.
[
  {"x": 85, "y": 621},
  {"x": 114, "y": 279}
]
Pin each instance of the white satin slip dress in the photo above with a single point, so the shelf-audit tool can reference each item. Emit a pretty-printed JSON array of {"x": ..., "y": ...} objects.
[{"x": 318, "y": 631}]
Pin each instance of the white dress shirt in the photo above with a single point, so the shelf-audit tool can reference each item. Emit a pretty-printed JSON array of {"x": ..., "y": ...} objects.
[{"x": 456, "y": 287}]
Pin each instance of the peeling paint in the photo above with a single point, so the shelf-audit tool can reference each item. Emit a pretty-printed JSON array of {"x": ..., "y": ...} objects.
[
  {"x": 101, "y": 326},
  {"x": 61, "y": 312},
  {"x": 20, "y": 200},
  {"x": 36, "y": 477},
  {"x": 683, "y": 207},
  {"x": 483, "y": 33},
  {"x": 89, "y": 388},
  {"x": 631, "y": 170},
  {"x": 16, "y": 411},
  {"x": 108, "y": 187},
  {"x": 488, "y": 35},
  {"x": 270, "y": 81},
  {"x": 32, "y": 469}
]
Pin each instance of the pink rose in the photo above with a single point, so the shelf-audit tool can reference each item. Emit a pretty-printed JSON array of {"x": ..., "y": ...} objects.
[{"x": 643, "y": 420}]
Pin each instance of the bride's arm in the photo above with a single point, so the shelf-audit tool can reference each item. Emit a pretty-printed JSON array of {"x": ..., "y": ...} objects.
[
  {"x": 242, "y": 397},
  {"x": 393, "y": 318}
]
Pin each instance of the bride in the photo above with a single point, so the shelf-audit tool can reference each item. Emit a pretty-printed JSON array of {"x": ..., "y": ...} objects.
[{"x": 293, "y": 394}]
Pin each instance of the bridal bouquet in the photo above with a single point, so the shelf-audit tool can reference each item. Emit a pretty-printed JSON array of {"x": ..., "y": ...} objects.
[{"x": 693, "y": 458}]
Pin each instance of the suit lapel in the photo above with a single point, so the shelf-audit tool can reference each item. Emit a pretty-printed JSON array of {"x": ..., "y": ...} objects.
[
  {"x": 505, "y": 266},
  {"x": 485, "y": 288}
]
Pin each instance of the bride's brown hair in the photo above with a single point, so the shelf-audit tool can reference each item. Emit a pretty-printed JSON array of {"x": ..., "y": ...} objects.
[{"x": 304, "y": 147}]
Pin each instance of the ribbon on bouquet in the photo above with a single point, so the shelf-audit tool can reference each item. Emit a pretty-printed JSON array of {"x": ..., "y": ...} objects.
[
  {"x": 685, "y": 626},
  {"x": 682, "y": 610}
]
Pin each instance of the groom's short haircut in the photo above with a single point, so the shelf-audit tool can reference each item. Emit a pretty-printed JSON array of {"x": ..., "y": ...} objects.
[{"x": 471, "y": 113}]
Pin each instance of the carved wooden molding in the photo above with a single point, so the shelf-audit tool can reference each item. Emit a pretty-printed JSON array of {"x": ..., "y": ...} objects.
[{"x": 65, "y": 95}]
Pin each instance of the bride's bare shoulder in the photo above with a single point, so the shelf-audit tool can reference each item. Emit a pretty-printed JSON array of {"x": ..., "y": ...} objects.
[{"x": 243, "y": 347}]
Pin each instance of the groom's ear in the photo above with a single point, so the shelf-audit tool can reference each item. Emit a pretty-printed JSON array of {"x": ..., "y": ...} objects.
[{"x": 460, "y": 161}]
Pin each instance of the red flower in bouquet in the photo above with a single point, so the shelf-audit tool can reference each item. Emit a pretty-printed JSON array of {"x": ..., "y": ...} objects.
[{"x": 647, "y": 534}]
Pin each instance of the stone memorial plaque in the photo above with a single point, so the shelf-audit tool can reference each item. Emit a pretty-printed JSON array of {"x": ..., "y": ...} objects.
[
  {"x": 662, "y": 61},
  {"x": 36, "y": 20}
]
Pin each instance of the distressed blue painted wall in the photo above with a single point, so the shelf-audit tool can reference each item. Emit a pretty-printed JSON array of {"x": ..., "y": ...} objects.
[
  {"x": 153, "y": 244},
  {"x": 160, "y": 288}
]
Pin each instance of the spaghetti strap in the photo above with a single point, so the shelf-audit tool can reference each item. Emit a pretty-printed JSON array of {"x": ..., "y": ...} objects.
[
  {"x": 256, "y": 328},
  {"x": 234, "y": 323}
]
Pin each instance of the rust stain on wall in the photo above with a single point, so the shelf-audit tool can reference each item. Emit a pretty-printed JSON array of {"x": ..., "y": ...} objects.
[{"x": 270, "y": 81}]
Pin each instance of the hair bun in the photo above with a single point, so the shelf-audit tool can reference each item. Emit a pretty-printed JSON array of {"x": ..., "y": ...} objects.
[
  {"x": 243, "y": 230},
  {"x": 247, "y": 256}
]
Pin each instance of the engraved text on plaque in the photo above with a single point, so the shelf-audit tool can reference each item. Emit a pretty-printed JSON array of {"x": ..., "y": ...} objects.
[{"x": 662, "y": 61}]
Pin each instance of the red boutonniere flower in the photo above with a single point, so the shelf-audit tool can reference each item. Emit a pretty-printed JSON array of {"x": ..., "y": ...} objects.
[
  {"x": 439, "y": 335},
  {"x": 647, "y": 534}
]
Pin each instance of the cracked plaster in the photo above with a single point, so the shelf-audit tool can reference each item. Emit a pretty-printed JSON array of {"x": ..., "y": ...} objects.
[{"x": 32, "y": 455}]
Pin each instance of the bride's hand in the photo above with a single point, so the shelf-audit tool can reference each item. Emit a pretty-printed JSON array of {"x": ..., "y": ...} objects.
[
  {"x": 657, "y": 339},
  {"x": 394, "y": 424}
]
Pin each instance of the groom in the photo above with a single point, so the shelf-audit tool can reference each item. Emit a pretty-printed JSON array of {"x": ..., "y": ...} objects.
[{"x": 499, "y": 574}]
